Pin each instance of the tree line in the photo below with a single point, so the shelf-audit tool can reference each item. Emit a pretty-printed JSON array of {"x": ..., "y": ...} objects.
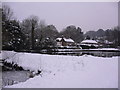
[
  {"x": 35, "y": 34},
  {"x": 32, "y": 33},
  {"x": 111, "y": 35}
]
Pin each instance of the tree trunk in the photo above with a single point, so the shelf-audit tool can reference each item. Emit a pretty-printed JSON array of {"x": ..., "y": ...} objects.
[{"x": 32, "y": 35}]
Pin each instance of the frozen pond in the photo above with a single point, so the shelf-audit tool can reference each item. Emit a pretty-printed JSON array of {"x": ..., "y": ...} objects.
[{"x": 14, "y": 77}]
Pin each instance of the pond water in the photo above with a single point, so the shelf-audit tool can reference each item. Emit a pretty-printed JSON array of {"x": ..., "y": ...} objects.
[{"x": 14, "y": 77}]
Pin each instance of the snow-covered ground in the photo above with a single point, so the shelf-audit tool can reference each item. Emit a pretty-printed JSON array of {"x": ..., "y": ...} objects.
[
  {"x": 114, "y": 49},
  {"x": 66, "y": 71}
]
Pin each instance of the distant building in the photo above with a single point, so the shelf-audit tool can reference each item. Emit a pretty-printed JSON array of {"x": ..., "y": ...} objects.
[
  {"x": 64, "y": 42},
  {"x": 108, "y": 44},
  {"x": 86, "y": 44}
]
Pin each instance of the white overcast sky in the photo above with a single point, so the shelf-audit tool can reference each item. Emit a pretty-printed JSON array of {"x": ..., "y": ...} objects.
[{"x": 87, "y": 15}]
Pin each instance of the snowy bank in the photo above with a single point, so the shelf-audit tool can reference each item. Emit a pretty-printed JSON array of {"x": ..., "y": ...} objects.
[
  {"x": 114, "y": 49},
  {"x": 66, "y": 71}
]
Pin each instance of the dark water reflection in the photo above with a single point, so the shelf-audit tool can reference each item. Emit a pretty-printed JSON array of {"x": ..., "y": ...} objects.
[{"x": 14, "y": 77}]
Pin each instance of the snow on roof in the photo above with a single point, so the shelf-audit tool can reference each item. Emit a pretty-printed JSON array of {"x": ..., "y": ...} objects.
[
  {"x": 67, "y": 40},
  {"x": 59, "y": 39},
  {"x": 89, "y": 41}
]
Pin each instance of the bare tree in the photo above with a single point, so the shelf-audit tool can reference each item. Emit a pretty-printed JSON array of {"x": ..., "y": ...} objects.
[
  {"x": 7, "y": 13},
  {"x": 34, "y": 24},
  {"x": 73, "y": 32},
  {"x": 42, "y": 24},
  {"x": 29, "y": 26}
]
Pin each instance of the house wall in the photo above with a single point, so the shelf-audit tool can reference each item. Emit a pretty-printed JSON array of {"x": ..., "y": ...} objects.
[
  {"x": 59, "y": 43},
  {"x": 64, "y": 43}
]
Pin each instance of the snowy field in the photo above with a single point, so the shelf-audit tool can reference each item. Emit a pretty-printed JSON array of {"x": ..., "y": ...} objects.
[{"x": 60, "y": 71}]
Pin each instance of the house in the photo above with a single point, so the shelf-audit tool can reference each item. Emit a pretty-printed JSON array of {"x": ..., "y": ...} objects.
[
  {"x": 86, "y": 44},
  {"x": 108, "y": 44},
  {"x": 64, "y": 42},
  {"x": 105, "y": 43}
]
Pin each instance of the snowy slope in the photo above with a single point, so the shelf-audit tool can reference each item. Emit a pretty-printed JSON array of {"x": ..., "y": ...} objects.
[{"x": 67, "y": 71}]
